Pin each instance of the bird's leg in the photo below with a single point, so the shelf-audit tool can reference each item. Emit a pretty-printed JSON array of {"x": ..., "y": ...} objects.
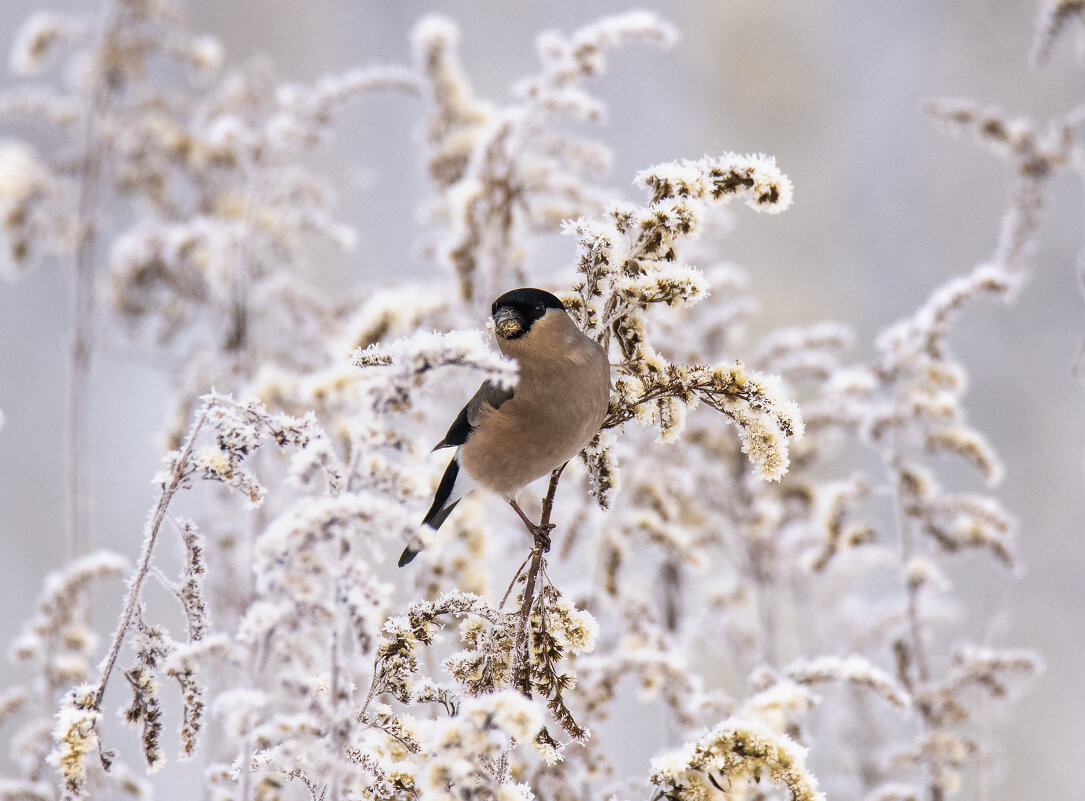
[{"x": 540, "y": 533}]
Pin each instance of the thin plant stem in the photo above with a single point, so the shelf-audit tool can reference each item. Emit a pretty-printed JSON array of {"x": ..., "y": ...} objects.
[
  {"x": 519, "y": 572},
  {"x": 81, "y": 353},
  {"x": 84, "y": 307},
  {"x": 335, "y": 705},
  {"x": 135, "y": 585},
  {"x": 917, "y": 653},
  {"x": 907, "y": 553}
]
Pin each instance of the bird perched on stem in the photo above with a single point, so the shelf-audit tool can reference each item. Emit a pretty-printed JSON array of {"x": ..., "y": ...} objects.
[{"x": 507, "y": 438}]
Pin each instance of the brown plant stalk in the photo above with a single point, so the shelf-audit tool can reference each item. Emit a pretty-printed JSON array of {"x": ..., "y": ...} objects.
[{"x": 522, "y": 660}]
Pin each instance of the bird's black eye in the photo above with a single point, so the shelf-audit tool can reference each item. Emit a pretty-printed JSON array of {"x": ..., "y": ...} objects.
[{"x": 540, "y": 310}]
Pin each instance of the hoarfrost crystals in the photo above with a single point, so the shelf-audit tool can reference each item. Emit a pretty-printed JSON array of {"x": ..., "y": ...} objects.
[
  {"x": 734, "y": 751},
  {"x": 76, "y": 737}
]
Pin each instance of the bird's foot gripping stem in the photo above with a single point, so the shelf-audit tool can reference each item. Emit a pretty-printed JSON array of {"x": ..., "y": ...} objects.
[
  {"x": 542, "y": 536},
  {"x": 541, "y": 533}
]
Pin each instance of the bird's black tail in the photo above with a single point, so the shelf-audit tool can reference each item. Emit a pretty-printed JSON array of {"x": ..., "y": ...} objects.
[
  {"x": 409, "y": 553},
  {"x": 438, "y": 512},
  {"x": 441, "y": 508}
]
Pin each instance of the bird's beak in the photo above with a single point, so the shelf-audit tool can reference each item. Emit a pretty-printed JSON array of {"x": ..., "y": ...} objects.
[{"x": 508, "y": 323}]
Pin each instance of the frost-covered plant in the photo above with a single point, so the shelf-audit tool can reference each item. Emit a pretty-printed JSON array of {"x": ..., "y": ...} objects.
[
  {"x": 729, "y": 570},
  {"x": 632, "y": 260},
  {"x": 55, "y": 648},
  {"x": 182, "y": 207},
  {"x": 732, "y": 753},
  {"x": 502, "y": 173}
]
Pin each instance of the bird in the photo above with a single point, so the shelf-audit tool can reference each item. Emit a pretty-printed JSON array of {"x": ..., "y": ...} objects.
[{"x": 507, "y": 438}]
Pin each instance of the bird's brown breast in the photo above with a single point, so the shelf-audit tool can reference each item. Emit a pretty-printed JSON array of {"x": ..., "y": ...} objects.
[{"x": 559, "y": 404}]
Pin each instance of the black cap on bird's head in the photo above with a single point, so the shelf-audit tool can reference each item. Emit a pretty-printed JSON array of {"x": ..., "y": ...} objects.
[{"x": 515, "y": 311}]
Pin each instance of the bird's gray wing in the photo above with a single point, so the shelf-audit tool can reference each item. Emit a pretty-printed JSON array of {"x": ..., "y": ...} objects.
[{"x": 490, "y": 394}]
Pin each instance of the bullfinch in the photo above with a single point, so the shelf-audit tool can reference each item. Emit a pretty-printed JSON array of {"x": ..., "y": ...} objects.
[{"x": 507, "y": 438}]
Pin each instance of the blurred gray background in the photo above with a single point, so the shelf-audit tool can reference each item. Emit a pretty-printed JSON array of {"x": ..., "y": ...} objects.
[{"x": 886, "y": 207}]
